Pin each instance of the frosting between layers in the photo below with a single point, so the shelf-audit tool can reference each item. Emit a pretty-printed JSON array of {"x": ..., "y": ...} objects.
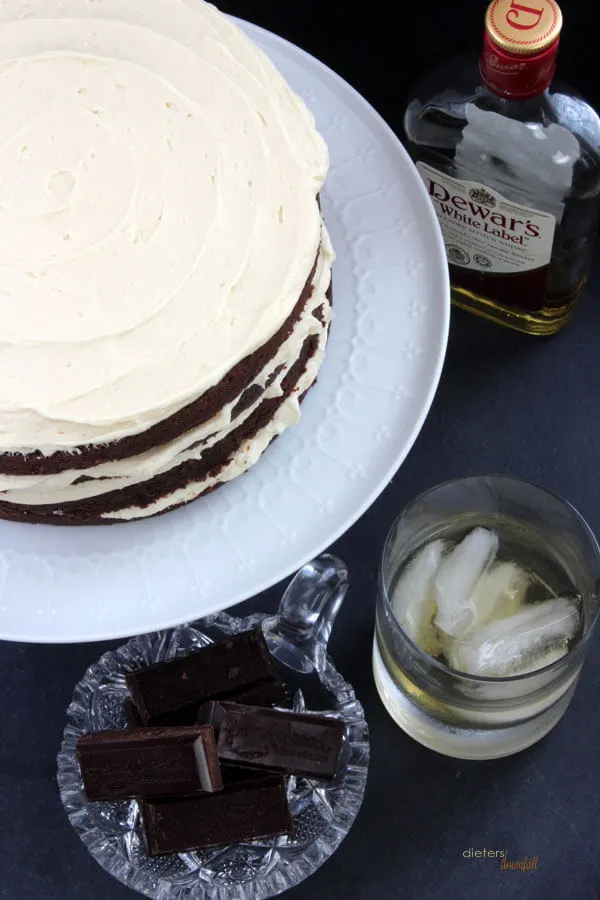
[
  {"x": 250, "y": 452},
  {"x": 107, "y": 477},
  {"x": 147, "y": 243}
]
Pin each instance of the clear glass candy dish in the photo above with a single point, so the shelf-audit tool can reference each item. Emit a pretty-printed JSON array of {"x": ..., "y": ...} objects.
[{"x": 323, "y": 813}]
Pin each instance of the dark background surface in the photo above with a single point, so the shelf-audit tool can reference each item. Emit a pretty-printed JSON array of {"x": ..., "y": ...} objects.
[{"x": 507, "y": 403}]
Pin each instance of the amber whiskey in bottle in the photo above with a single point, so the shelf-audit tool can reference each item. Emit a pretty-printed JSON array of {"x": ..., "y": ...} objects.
[{"x": 510, "y": 157}]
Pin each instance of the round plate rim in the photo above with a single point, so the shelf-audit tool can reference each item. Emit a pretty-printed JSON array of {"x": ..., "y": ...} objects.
[{"x": 429, "y": 221}]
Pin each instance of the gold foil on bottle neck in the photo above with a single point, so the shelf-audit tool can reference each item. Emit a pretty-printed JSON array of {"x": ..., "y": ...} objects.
[{"x": 523, "y": 27}]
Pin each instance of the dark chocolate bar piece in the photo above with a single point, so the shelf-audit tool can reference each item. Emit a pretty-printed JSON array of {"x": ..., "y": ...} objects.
[
  {"x": 149, "y": 762},
  {"x": 280, "y": 741},
  {"x": 233, "y": 774},
  {"x": 242, "y": 812},
  {"x": 269, "y": 692},
  {"x": 187, "y": 715},
  {"x": 266, "y": 693},
  {"x": 229, "y": 665}
]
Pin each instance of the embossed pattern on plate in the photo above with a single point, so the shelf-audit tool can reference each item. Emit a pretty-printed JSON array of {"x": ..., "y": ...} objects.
[{"x": 384, "y": 359}]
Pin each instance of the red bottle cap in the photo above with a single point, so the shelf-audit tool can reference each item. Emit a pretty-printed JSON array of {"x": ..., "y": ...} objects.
[{"x": 520, "y": 45}]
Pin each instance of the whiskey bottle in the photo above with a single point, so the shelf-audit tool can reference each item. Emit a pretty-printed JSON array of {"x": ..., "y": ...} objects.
[{"x": 510, "y": 157}]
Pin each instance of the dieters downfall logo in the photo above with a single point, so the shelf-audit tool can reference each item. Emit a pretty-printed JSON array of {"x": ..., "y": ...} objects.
[{"x": 528, "y": 864}]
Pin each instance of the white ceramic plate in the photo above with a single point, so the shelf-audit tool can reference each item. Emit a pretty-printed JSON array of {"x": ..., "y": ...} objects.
[{"x": 384, "y": 359}]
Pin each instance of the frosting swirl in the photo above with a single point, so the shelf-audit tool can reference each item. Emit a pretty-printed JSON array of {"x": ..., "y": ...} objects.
[{"x": 158, "y": 214}]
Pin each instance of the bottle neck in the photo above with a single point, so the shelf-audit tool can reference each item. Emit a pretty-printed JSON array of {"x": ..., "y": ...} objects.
[{"x": 515, "y": 76}]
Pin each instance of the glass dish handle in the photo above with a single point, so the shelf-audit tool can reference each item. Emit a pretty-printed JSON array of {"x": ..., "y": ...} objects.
[{"x": 299, "y": 633}]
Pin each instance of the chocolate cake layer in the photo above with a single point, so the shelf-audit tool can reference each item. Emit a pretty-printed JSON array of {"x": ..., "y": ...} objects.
[
  {"x": 107, "y": 507},
  {"x": 196, "y": 413}
]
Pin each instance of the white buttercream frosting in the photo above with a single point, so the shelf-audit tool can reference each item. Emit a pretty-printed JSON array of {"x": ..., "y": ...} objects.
[
  {"x": 67, "y": 486},
  {"x": 158, "y": 215}
]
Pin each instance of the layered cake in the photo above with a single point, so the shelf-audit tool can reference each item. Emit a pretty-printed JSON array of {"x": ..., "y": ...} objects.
[{"x": 164, "y": 268}]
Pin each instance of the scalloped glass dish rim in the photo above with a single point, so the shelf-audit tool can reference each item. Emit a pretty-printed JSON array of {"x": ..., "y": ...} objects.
[{"x": 287, "y": 631}]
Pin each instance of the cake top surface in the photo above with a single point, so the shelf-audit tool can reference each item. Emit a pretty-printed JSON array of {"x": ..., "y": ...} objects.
[{"x": 158, "y": 215}]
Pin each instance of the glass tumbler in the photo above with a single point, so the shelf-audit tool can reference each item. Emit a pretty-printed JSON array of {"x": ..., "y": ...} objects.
[{"x": 473, "y": 717}]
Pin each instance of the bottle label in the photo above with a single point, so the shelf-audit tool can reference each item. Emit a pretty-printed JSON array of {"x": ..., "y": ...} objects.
[{"x": 485, "y": 232}]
